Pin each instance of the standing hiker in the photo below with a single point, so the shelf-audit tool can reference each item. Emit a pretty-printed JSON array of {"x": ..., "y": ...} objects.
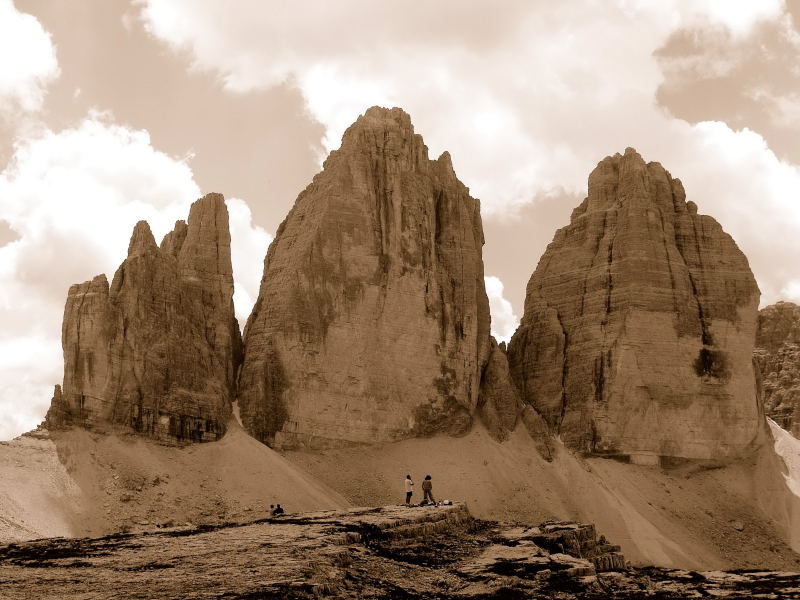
[
  {"x": 427, "y": 487},
  {"x": 409, "y": 489}
]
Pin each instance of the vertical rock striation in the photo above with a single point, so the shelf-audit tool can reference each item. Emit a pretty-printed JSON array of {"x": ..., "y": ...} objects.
[
  {"x": 499, "y": 403},
  {"x": 777, "y": 355},
  {"x": 639, "y": 325},
  {"x": 158, "y": 350},
  {"x": 372, "y": 321}
]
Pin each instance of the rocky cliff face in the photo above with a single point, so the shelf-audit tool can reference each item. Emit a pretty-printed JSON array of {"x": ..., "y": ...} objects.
[
  {"x": 372, "y": 322},
  {"x": 777, "y": 355},
  {"x": 158, "y": 350},
  {"x": 639, "y": 325}
]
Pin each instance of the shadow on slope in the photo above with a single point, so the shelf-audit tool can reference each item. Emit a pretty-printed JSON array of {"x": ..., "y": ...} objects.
[
  {"x": 685, "y": 517},
  {"x": 78, "y": 483}
]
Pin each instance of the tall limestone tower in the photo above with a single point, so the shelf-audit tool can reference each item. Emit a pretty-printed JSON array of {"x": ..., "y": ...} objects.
[
  {"x": 639, "y": 325},
  {"x": 372, "y": 322},
  {"x": 158, "y": 351}
]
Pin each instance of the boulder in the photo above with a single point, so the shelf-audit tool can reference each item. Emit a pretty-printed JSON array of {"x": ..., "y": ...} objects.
[
  {"x": 372, "y": 321},
  {"x": 639, "y": 325},
  {"x": 158, "y": 350}
]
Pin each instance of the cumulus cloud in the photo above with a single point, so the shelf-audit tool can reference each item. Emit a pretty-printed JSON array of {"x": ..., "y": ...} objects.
[
  {"x": 73, "y": 197},
  {"x": 747, "y": 80},
  {"x": 528, "y": 97},
  {"x": 28, "y": 58},
  {"x": 504, "y": 321},
  {"x": 738, "y": 17}
]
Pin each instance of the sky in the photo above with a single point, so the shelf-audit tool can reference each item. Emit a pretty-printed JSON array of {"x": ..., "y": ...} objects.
[{"x": 114, "y": 111}]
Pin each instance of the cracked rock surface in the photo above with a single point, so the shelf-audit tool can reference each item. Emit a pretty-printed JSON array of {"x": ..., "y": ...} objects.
[
  {"x": 372, "y": 322},
  {"x": 639, "y": 325},
  {"x": 158, "y": 350},
  {"x": 387, "y": 552}
]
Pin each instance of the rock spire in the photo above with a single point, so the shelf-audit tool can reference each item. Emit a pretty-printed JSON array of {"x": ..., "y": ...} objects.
[
  {"x": 158, "y": 350},
  {"x": 639, "y": 325},
  {"x": 372, "y": 322}
]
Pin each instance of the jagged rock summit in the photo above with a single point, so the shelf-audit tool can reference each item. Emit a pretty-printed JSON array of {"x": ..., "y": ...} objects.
[
  {"x": 372, "y": 322},
  {"x": 639, "y": 325},
  {"x": 158, "y": 351},
  {"x": 777, "y": 355}
]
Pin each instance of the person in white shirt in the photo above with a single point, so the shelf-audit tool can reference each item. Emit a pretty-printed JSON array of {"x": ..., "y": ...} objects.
[{"x": 409, "y": 489}]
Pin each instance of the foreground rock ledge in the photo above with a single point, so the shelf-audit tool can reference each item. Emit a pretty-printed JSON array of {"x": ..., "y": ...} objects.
[{"x": 408, "y": 552}]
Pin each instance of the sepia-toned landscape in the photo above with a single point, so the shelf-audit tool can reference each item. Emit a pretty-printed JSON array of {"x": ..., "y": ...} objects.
[{"x": 634, "y": 434}]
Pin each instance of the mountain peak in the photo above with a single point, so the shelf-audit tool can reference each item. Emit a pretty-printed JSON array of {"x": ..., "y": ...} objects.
[
  {"x": 386, "y": 132},
  {"x": 142, "y": 239}
]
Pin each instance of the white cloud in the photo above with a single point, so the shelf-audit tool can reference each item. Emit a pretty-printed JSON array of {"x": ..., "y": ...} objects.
[
  {"x": 791, "y": 292},
  {"x": 249, "y": 245},
  {"x": 738, "y": 16},
  {"x": 527, "y": 97},
  {"x": 73, "y": 198},
  {"x": 29, "y": 367},
  {"x": 28, "y": 59},
  {"x": 504, "y": 321}
]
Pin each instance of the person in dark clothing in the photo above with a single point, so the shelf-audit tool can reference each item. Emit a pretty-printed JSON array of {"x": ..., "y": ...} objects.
[{"x": 427, "y": 487}]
